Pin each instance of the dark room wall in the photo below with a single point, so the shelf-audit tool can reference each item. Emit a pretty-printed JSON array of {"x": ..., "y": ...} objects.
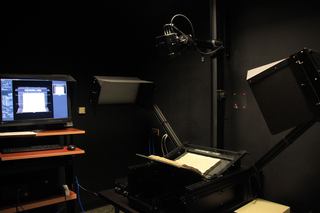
[
  {"x": 262, "y": 32},
  {"x": 113, "y": 38},
  {"x": 117, "y": 38},
  {"x": 121, "y": 42}
]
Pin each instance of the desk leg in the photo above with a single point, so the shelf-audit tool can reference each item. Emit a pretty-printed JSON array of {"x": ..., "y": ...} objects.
[
  {"x": 69, "y": 175},
  {"x": 116, "y": 210}
]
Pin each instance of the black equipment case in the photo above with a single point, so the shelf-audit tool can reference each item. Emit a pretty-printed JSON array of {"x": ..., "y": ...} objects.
[{"x": 159, "y": 187}]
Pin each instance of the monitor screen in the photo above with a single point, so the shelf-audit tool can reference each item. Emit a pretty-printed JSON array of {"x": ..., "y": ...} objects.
[{"x": 29, "y": 102}]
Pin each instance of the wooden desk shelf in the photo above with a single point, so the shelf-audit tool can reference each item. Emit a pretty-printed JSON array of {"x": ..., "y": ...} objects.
[
  {"x": 38, "y": 203},
  {"x": 67, "y": 131},
  {"x": 40, "y": 154},
  {"x": 69, "y": 173}
]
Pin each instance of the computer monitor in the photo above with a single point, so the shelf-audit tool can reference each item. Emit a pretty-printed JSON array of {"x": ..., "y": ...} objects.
[{"x": 35, "y": 101}]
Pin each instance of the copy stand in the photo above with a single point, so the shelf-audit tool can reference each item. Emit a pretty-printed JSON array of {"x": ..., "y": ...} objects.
[
  {"x": 288, "y": 94},
  {"x": 279, "y": 147},
  {"x": 166, "y": 126},
  {"x": 163, "y": 187},
  {"x": 227, "y": 158}
]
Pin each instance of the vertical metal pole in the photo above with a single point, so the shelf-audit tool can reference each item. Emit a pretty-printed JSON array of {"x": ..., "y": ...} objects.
[{"x": 214, "y": 73}]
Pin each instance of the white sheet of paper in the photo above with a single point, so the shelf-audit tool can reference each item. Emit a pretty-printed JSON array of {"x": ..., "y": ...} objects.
[{"x": 202, "y": 163}]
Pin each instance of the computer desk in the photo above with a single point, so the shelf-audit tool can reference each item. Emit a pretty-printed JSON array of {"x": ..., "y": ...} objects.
[{"x": 118, "y": 201}]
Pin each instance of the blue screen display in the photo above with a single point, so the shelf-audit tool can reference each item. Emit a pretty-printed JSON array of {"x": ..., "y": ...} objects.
[{"x": 23, "y": 99}]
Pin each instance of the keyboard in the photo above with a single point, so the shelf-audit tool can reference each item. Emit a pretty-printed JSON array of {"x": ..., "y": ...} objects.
[{"x": 31, "y": 148}]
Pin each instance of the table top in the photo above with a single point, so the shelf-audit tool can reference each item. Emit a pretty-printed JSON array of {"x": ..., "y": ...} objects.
[
  {"x": 117, "y": 200},
  {"x": 40, "y": 154}
]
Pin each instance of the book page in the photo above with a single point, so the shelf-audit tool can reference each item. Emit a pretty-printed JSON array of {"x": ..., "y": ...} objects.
[
  {"x": 200, "y": 162},
  {"x": 165, "y": 160},
  {"x": 172, "y": 163}
]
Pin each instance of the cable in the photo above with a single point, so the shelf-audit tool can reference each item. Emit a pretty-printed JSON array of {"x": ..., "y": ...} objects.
[
  {"x": 164, "y": 145},
  {"x": 111, "y": 210},
  {"x": 166, "y": 126},
  {"x": 177, "y": 15},
  {"x": 96, "y": 194},
  {"x": 19, "y": 202},
  {"x": 151, "y": 152},
  {"x": 169, "y": 29},
  {"x": 65, "y": 200},
  {"x": 182, "y": 33},
  {"x": 84, "y": 189},
  {"x": 79, "y": 195}
]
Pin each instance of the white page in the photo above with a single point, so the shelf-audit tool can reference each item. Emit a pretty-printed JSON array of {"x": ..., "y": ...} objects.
[
  {"x": 34, "y": 102},
  {"x": 200, "y": 162}
]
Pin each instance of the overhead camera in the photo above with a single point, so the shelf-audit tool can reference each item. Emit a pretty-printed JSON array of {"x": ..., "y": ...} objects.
[{"x": 174, "y": 39}]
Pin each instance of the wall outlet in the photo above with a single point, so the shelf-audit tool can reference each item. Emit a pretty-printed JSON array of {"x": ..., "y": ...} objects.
[
  {"x": 82, "y": 110},
  {"x": 157, "y": 131}
]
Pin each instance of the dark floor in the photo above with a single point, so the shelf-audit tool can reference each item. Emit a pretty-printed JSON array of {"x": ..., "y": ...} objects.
[{"x": 103, "y": 209}]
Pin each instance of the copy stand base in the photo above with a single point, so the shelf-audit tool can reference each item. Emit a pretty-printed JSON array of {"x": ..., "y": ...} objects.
[{"x": 280, "y": 146}]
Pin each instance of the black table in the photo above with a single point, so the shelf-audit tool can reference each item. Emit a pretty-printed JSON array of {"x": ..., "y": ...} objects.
[{"x": 118, "y": 201}]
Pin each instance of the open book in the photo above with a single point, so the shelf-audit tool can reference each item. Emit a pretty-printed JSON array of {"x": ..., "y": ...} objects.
[{"x": 194, "y": 162}]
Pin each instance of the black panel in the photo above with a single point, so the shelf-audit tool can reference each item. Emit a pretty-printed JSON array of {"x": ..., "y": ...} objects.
[{"x": 287, "y": 93}]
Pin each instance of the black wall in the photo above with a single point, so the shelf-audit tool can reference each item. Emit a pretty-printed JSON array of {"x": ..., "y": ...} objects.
[
  {"x": 113, "y": 38},
  {"x": 116, "y": 38},
  {"x": 261, "y": 33}
]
